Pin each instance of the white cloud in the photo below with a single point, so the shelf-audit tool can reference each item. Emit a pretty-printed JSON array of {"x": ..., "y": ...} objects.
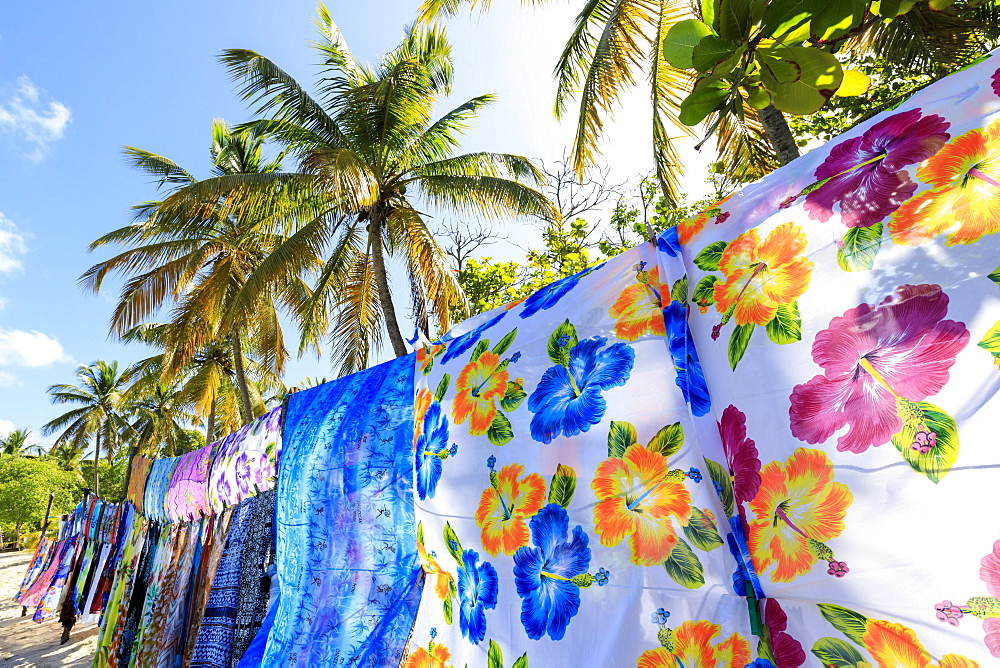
[
  {"x": 26, "y": 114},
  {"x": 11, "y": 248},
  {"x": 29, "y": 349},
  {"x": 6, "y": 426},
  {"x": 7, "y": 379}
]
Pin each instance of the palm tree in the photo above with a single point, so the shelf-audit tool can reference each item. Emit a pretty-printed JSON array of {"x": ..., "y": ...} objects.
[
  {"x": 161, "y": 421},
  {"x": 367, "y": 148},
  {"x": 197, "y": 259},
  {"x": 16, "y": 443},
  {"x": 204, "y": 389},
  {"x": 101, "y": 413},
  {"x": 67, "y": 456}
]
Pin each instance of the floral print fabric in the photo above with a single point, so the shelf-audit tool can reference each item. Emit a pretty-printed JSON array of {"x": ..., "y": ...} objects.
[
  {"x": 845, "y": 310},
  {"x": 565, "y": 514},
  {"x": 246, "y": 462}
]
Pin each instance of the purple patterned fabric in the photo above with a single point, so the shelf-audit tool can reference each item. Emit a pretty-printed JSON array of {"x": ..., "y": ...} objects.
[
  {"x": 246, "y": 462},
  {"x": 187, "y": 496}
]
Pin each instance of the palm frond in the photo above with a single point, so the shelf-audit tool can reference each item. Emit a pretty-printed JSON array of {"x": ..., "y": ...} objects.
[
  {"x": 668, "y": 86},
  {"x": 439, "y": 140},
  {"x": 167, "y": 170},
  {"x": 485, "y": 196},
  {"x": 358, "y": 322},
  {"x": 602, "y": 58},
  {"x": 497, "y": 165},
  {"x": 271, "y": 91}
]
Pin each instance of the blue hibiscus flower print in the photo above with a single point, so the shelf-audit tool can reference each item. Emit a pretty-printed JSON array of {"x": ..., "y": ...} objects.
[
  {"x": 462, "y": 343},
  {"x": 550, "y": 295},
  {"x": 669, "y": 243},
  {"x": 690, "y": 376},
  {"x": 568, "y": 398},
  {"x": 543, "y": 575},
  {"x": 477, "y": 589},
  {"x": 740, "y": 550},
  {"x": 432, "y": 449}
]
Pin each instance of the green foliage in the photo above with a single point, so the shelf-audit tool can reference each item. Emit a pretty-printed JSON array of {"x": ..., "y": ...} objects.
[
  {"x": 112, "y": 477},
  {"x": 488, "y": 284},
  {"x": 569, "y": 247},
  {"x": 891, "y": 86},
  {"x": 746, "y": 54},
  {"x": 25, "y": 484}
]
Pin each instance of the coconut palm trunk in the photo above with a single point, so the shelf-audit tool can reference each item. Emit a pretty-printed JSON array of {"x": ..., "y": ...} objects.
[
  {"x": 241, "y": 376},
  {"x": 97, "y": 458},
  {"x": 210, "y": 425},
  {"x": 133, "y": 450},
  {"x": 779, "y": 134},
  {"x": 382, "y": 280}
]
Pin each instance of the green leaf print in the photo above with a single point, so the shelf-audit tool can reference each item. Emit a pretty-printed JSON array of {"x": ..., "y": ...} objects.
[
  {"x": 928, "y": 440},
  {"x": 684, "y": 567}
]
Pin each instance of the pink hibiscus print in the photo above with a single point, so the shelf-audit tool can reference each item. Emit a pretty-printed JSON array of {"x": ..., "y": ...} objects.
[
  {"x": 741, "y": 454},
  {"x": 865, "y": 173},
  {"x": 872, "y": 357},
  {"x": 996, "y": 89},
  {"x": 787, "y": 650},
  {"x": 990, "y": 571},
  {"x": 990, "y": 574},
  {"x": 992, "y": 628}
]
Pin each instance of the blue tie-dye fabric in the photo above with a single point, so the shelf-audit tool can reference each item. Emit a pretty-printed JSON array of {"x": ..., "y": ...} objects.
[
  {"x": 157, "y": 484},
  {"x": 346, "y": 542}
]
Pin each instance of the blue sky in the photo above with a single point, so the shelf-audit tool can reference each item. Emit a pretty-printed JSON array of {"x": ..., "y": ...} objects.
[{"x": 80, "y": 80}]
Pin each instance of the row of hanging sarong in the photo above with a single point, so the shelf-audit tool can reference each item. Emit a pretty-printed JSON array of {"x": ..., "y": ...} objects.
[
  {"x": 71, "y": 575},
  {"x": 738, "y": 446}
]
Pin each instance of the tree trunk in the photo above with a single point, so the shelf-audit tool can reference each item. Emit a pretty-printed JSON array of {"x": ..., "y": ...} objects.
[
  {"x": 382, "y": 280},
  {"x": 779, "y": 134},
  {"x": 48, "y": 512},
  {"x": 210, "y": 425},
  {"x": 132, "y": 452},
  {"x": 97, "y": 459},
  {"x": 241, "y": 376}
]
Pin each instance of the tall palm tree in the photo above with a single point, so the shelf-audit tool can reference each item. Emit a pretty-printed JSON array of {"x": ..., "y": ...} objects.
[
  {"x": 161, "y": 420},
  {"x": 204, "y": 389},
  {"x": 368, "y": 149},
  {"x": 197, "y": 260},
  {"x": 101, "y": 413}
]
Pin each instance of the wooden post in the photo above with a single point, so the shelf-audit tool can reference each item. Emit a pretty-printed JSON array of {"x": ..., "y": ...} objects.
[{"x": 48, "y": 510}]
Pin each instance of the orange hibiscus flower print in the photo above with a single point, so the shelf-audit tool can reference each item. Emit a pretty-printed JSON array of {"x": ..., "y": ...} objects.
[
  {"x": 692, "y": 646},
  {"x": 688, "y": 229},
  {"x": 433, "y": 658},
  {"x": 443, "y": 580},
  {"x": 482, "y": 382},
  {"x": 421, "y": 403},
  {"x": 639, "y": 307},
  {"x": 964, "y": 196},
  {"x": 760, "y": 276},
  {"x": 636, "y": 496},
  {"x": 798, "y": 506},
  {"x": 505, "y": 507},
  {"x": 894, "y": 645},
  {"x": 426, "y": 355}
]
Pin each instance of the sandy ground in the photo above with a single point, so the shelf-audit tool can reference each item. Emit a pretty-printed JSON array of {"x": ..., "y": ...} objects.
[{"x": 25, "y": 643}]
